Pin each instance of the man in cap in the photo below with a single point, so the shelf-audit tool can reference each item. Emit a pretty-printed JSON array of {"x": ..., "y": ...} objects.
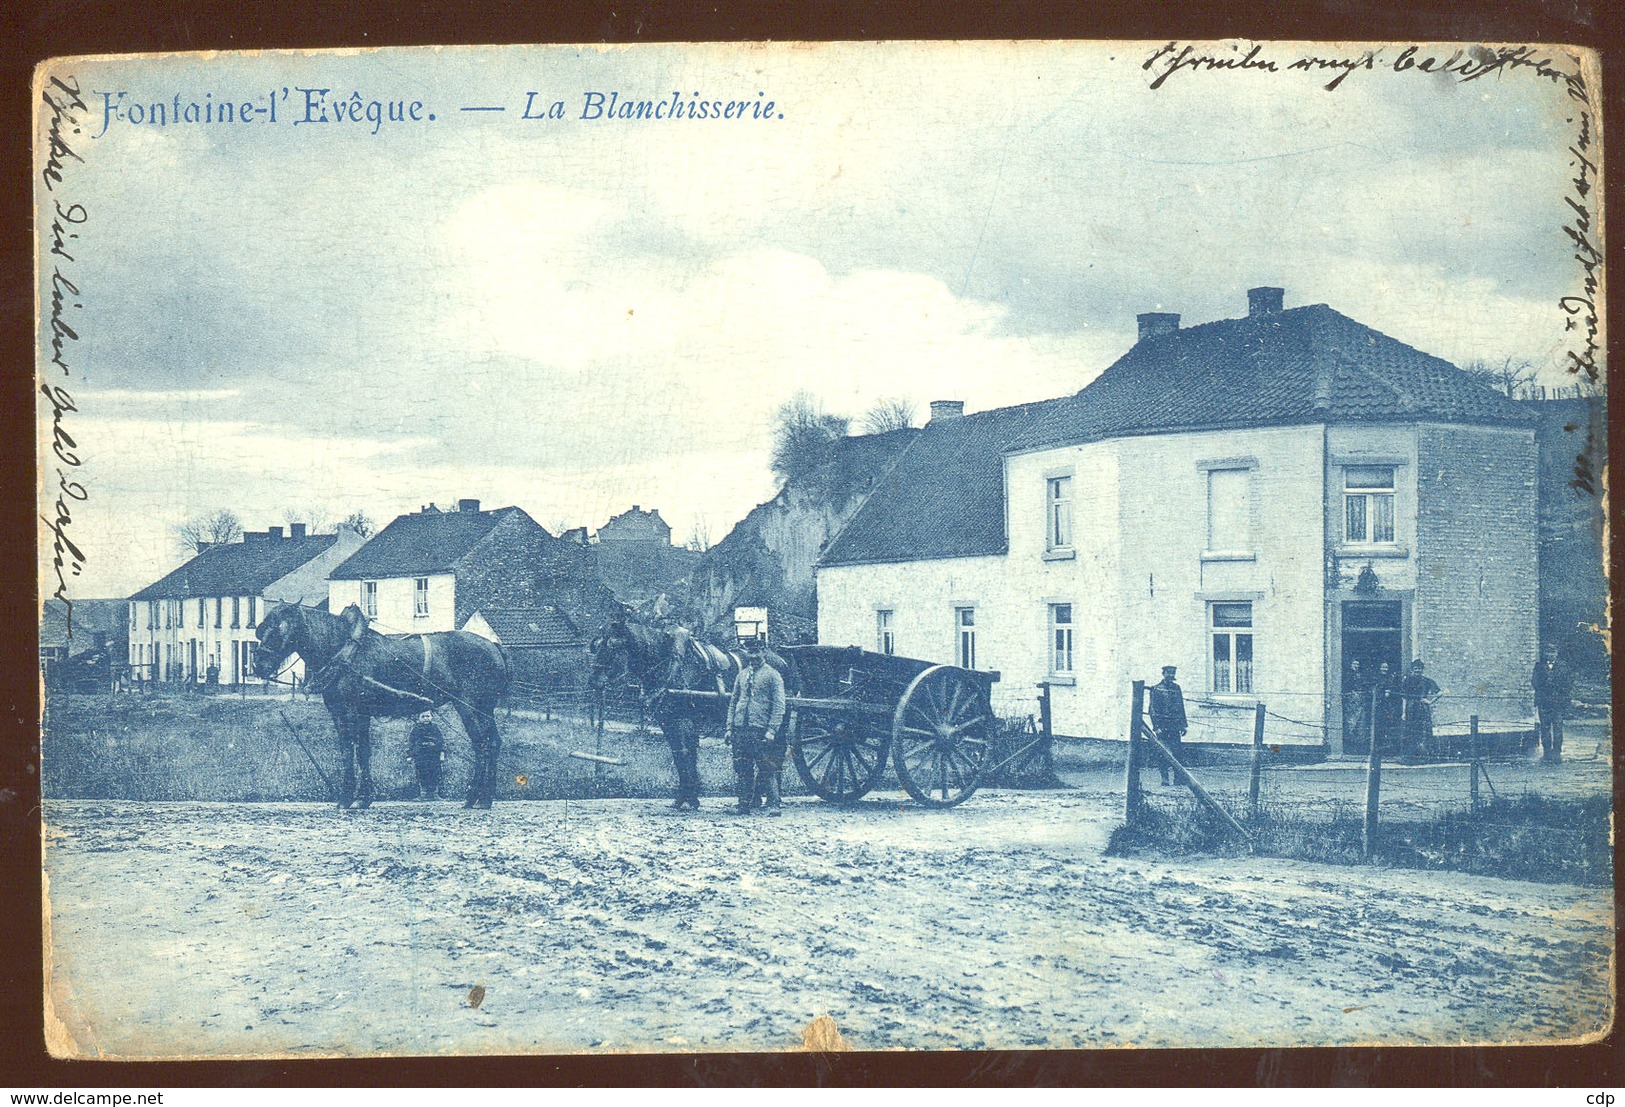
[
  {"x": 755, "y": 714},
  {"x": 428, "y": 748},
  {"x": 1168, "y": 717},
  {"x": 1554, "y": 685}
]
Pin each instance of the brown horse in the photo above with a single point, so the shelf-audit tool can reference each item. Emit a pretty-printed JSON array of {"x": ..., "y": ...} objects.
[
  {"x": 363, "y": 675},
  {"x": 662, "y": 660}
]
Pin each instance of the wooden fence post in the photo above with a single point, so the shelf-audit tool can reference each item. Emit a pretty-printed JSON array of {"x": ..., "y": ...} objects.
[
  {"x": 1258, "y": 763},
  {"x": 1131, "y": 792},
  {"x": 1046, "y": 726},
  {"x": 1373, "y": 793},
  {"x": 1473, "y": 749}
]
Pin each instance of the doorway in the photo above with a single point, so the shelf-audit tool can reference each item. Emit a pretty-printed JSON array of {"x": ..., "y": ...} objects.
[{"x": 1372, "y": 635}]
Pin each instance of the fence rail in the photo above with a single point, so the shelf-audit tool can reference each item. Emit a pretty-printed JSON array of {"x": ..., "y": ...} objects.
[{"x": 1461, "y": 783}]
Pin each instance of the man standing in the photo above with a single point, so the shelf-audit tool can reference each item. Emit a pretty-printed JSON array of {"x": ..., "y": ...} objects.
[
  {"x": 428, "y": 755},
  {"x": 1554, "y": 685},
  {"x": 1417, "y": 693},
  {"x": 754, "y": 716},
  {"x": 1168, "y": 718}
]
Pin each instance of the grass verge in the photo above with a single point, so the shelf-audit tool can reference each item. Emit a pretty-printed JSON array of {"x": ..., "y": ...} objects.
[{"x": 1533, "y": 837}]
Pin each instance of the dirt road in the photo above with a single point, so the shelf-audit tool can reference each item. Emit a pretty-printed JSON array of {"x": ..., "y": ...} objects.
[{"x": 612, "y": 925}]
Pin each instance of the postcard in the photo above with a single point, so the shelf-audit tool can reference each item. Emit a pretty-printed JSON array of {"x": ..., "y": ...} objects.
[{"x": 762, "y": 547}]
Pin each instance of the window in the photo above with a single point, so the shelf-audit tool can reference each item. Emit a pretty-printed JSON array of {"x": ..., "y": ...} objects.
[
  {"x": 369, "y": 598},
  {"x": 1060, "y": 639},
  {"x": 885, "y": 640},
  {"x": 421, "y": 592},
  {"x": 253, "y": 611},
  {"x": 1058, "y": 513},
  {"x": 236, "y": 611},
  {"x": 217, "y": 606},
  {"x": 1232, "y": 633},
  {"x": 965, "y": 626},
  {"x": 1228, "y": 522},
  {"x": 200, "y": 603},
  {"x": 248, "y": 659},
  {"x": 1368, "y": 504}
]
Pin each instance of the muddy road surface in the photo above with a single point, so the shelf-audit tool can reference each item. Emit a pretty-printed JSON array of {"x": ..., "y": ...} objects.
[{"x": 191, "y": 929}]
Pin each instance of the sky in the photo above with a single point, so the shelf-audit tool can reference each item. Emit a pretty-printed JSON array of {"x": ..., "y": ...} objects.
[{"x": 299, "y": 320}]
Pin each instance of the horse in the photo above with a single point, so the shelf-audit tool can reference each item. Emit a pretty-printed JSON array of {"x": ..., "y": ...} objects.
[
  {"x": 662, "y": 660},
  {"x": 362, "y": 674}
]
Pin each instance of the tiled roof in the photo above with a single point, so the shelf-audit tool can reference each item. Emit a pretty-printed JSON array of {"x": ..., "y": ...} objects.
[
  {"x": 243, "y": 568},
  {"x": 1304, "y": 365},
  {"x": 425, "y": 542},
  {"x": 91, "y": 619},
  {"x": 532, "y": 627},
  {"x": 944, "y": 497}
]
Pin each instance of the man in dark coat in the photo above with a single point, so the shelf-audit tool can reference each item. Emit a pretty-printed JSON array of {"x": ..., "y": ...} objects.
[
  {"x": 1554, "y": 685},
  {"x": 755, "y": 716},
  {"x": 1389, "y": 709},
  {"x": 428, "y": 755},
  {"x": 1417, "y": 692},
  {"x": 1167, "y": 706}
]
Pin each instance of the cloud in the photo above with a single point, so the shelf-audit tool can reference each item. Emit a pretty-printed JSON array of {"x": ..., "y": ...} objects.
[{"x": 576, "y": 316}]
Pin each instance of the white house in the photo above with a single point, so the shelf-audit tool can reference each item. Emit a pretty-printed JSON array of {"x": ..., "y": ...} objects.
[
  {"x": 1259, "y": 501},
  {"x": 433, "y": 570},
  {"x": 203, "y": 614}
]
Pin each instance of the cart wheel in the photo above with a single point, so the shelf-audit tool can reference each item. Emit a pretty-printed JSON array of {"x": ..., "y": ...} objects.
[
  {"x": 837, "y": 756},
  {"x": 942, "y": 736}
]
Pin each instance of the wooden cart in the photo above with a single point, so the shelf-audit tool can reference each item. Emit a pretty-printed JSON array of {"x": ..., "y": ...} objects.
[{"x": 851, "y": 711}]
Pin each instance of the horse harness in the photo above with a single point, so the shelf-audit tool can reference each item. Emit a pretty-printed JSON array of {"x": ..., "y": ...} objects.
[
  {"x": 341, "y": 660},
  {"x": 712, "y": 660}
]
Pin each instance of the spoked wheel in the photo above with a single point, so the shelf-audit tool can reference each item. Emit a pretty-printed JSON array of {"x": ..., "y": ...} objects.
[
  {"x": 839, "y": 757},
  {"x": 942, "y": 735}
]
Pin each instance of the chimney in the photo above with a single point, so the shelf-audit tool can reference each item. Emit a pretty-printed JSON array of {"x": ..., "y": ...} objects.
[
  {"x": 203, "y": 546},
  {"x": 636, "y": 507},
  {"x": 944, "y": 410},
  {"x": 468, "y": 505},
  {"x": 296, "y": 530},
  {"x": 1154, "y": 324},
  {"x": 273, "y": 532},
  {"x": 1264, "y": 301}
]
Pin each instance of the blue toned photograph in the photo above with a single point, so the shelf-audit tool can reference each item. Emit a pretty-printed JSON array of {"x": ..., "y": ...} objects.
[{"x": 776, "y": 547}]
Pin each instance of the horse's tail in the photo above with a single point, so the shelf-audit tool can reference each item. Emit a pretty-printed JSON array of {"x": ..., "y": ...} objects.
[{"x": 505, "y": 667}]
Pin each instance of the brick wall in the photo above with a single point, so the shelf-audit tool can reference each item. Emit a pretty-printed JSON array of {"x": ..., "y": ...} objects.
[{"x": 1477, "y": 602}]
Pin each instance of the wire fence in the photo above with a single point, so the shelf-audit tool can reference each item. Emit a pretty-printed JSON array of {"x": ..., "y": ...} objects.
[{"x": 1463, "y": 801}]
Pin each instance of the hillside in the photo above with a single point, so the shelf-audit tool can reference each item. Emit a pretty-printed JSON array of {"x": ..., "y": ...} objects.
[{"x": 767, "y": 559}]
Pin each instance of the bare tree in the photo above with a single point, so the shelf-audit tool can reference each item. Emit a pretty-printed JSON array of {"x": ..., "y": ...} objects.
[
  {"x": 315, "y": 519},
  {"x": 197, "y": 535},
  {"x": 360, "y": 522},
  {"x": 699, "y": 533},
  {"x": 1511, "y": 377},
  {"x": 804, "y": 436},
  {"x": 892, "y": 413}
]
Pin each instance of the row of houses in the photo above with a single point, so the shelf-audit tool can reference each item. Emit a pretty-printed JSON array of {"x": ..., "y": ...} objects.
[
  {"x": 1261, "y": 501},
  {"x": 497, "y": 573}
]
